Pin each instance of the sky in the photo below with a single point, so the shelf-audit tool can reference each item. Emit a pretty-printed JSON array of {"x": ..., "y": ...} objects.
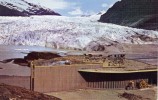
[{"x": 76, "y": 7}]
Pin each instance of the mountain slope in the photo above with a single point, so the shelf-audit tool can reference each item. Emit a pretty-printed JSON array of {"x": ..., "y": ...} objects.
[
  {"x": 22, "y": 8},
  {"x": 70, "y": 32},
  {"x": 134, "y": 13}
]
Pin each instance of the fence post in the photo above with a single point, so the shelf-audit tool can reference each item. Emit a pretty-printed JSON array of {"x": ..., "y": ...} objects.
[{"x": 32, "y": 75}]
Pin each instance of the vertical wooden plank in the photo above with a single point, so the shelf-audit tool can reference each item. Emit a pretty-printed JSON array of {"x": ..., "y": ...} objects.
[
  {"x": 115, "y": 83},
  {"x": 121, "y": 84},
  {"x": 48, "y": 83},
  {"x": 93, "y": 84},
  {"x": 105, "y": 84},
  {"x": 108, "y": 84},
  {"x": 51, "y": 79},
  {"x": 90, "y": 84},
  {"x": 111, "y": 85},
  {"x": 97, "y": 84},
  {"x": 56, "y": 74},
  {"x": 37, "y": 83},
  {"x": 102, "y": 84},
  {"x": 66, "y": 85}
]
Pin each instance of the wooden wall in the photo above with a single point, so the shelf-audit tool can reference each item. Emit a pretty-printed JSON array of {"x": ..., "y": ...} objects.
[{"x": 59, "y": 78}]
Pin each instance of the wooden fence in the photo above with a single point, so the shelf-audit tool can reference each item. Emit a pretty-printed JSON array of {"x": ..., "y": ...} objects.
[
  {"x": 117, "y": 81},
  {"x": 21, "y": 81}
]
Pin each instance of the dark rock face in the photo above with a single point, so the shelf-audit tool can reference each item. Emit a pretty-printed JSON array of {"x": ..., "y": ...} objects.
[
  {"x": 8, "y": 9},
  {"x": 133, "y": 13},
  {"x": 98, "y": 48},
  {"x": 4, "y": 11}
]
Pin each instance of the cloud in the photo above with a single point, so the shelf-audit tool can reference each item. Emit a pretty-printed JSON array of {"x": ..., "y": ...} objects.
[
  {"x": 53, "y": 4},
  {"x": 111, "y": 5},
  {"x": 90, "y": 13},
  {"x": 76, "y": 11},
  {"x": 104, "y": 5}
]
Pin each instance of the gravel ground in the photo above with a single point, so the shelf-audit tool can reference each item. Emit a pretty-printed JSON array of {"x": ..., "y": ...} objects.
[
  {"x": 8, "y": 92},
  {"x": 143, "y": 94}
]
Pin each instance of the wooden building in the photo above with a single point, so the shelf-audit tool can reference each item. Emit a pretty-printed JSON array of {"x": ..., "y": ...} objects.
[{"x": 72, "y": 77}]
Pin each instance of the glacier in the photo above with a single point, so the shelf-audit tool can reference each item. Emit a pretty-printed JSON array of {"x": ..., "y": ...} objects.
[{"x": 69, "y": 32}]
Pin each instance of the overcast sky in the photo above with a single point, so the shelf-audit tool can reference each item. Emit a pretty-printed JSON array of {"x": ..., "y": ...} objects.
[{"x": 76, "y": 7}]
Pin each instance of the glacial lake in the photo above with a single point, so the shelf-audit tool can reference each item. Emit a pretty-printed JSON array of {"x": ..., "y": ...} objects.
[{"x": 10, "y": 51}]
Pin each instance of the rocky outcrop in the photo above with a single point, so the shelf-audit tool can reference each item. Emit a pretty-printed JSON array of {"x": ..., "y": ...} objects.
[
  {"x": 41, "y": 55},
  {"x": 133, "y": 13},
  {"x": 8, "y": 92}
]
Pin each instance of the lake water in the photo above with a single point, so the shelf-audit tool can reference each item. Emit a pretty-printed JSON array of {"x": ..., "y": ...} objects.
[
  {"x": 12, "y": 51},
  {"x": 8, "y": 52}
]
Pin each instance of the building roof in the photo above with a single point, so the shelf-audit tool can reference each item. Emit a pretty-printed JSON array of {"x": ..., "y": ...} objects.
[{"x": 105, "y": 70}]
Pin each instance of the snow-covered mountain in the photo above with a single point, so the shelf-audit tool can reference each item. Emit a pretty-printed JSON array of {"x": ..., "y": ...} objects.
[
  {"x": 70, "y": 32},
  {"x": 95, "y": 17},
  {"x": 22, "y": 8}
]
